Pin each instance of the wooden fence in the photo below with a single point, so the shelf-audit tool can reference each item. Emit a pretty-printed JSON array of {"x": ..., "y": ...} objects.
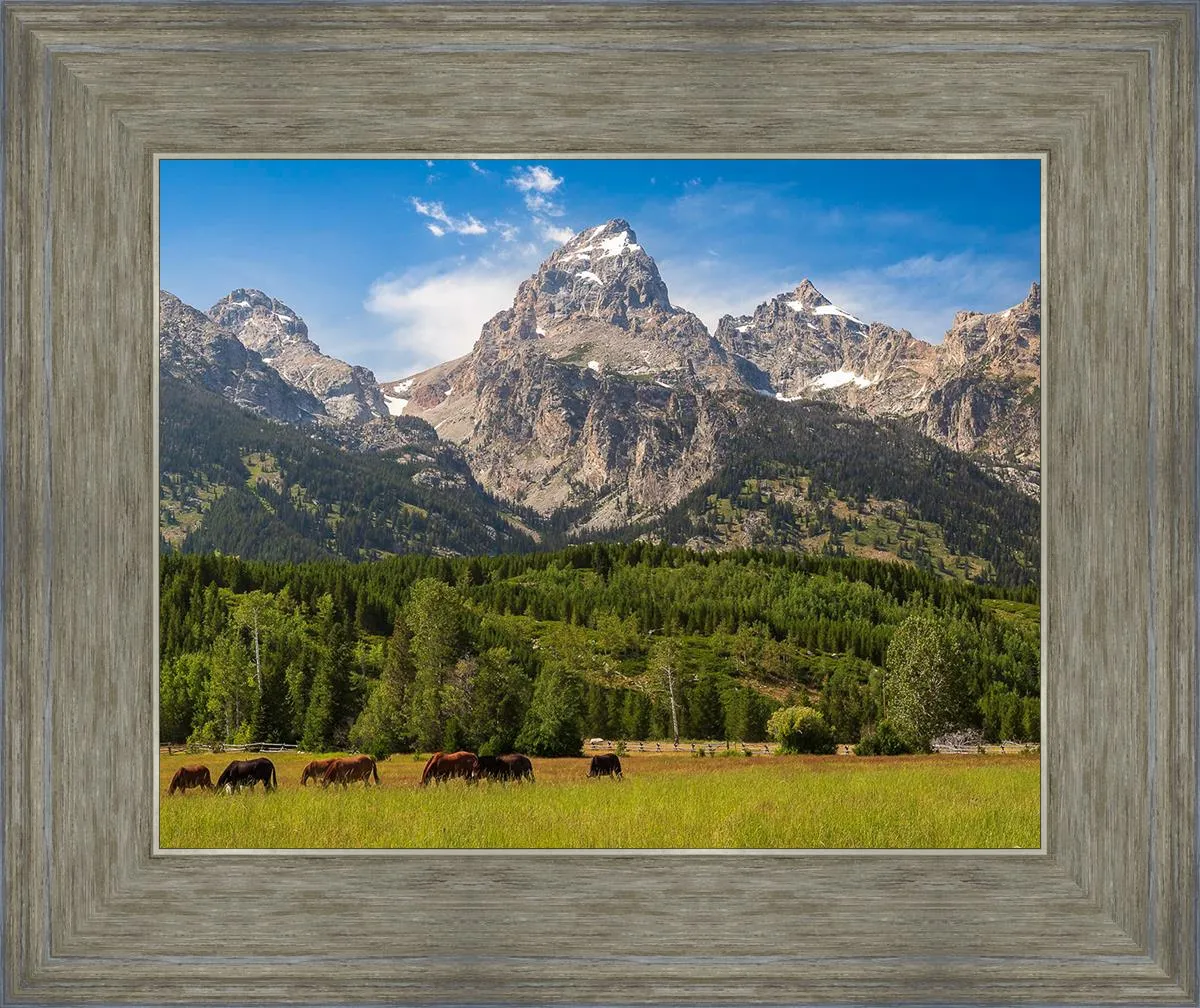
[{"x": 217, "y": 747}]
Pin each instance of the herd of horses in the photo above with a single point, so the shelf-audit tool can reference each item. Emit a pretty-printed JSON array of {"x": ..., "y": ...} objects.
[{"x": 345, "y": 770}]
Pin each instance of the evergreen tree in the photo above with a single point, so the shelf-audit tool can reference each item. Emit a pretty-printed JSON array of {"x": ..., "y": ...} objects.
[
  {"x": 500, "y": 702},
  {"x": 553, "y": 722},
  {"x": 437, "y": 621},
  {"x": 329, "y": 715},
  {"x": 381, "y": 727}
]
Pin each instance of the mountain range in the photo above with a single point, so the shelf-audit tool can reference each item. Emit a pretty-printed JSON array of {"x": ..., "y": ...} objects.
[{"x": 595, "y": 408}]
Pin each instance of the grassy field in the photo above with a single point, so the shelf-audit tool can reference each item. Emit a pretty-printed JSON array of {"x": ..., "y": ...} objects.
[{"x": 665, "y": 800}]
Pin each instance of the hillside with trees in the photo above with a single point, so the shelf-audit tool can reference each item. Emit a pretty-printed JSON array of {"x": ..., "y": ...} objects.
[{"x": 539, "y": 651}]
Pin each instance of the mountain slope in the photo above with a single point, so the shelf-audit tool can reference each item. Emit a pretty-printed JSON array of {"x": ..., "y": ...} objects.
[
  {"x": 813, "y": 477},
  {"x": 233, "y": 482},
  {"x": 349, "y": 394}
]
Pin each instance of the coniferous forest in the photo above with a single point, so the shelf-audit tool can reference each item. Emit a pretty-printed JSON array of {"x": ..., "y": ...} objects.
[{"x": 538, "y": 651}]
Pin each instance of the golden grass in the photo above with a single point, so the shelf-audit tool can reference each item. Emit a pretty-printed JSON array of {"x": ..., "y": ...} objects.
[{"x": 666, "y": 801}]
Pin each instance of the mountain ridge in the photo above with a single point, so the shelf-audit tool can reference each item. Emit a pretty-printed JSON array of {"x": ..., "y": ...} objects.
[{"x": 594, "y": 400}]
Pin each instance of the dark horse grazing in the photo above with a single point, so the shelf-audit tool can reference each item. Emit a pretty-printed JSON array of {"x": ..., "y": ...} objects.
[
  {"x": 190, "y": 776},
  {"x": 519, "y": 767},
  {"x": 443, "y": 766},
  {"x": 315, "y": 770},
  {"x": 607, "y": 765},
  {"x": 511, "y": 767},
  {"x": 492, "y": 768},
  {"x": 247, "y": 772},
  {"x": 350, "y": 768},
  {"x": 514, "y": 766}
]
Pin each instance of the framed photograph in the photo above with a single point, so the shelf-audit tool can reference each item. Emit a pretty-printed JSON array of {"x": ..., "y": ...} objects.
[
  {"x": 493, "y": 489},
  {"x": 98, "y": 96}
]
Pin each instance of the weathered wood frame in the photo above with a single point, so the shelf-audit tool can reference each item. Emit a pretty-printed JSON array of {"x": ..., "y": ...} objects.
[{"x": 1108, "y": 914}]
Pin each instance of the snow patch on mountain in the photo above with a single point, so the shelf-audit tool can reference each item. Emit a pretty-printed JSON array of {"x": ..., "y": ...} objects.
[
  {"x": 836, "y": 379},
  {"x": 617, "y": 244},
  {"x": 828, "y": 309}
]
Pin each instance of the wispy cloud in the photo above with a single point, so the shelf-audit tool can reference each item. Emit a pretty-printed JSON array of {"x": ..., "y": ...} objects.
[
  {"x": 436, "y": 315},
  {"x": 536, "y": 182},
  {"x": 711, "y": 287},
  {"x": 552, "y": 232},
  {"x": 543, "y": 205},
  {"x": 921, "y": 294},
  {"x": 467, "y": 225},
  {"x": 535, "y": 178},
  {"x": 475, "y": 166}
]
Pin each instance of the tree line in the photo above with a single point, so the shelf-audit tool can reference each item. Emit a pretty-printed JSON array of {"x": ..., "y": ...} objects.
[{"x": 538, "y": 651}]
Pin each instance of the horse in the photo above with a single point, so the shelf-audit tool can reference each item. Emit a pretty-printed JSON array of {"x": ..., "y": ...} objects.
[
  {"x": 247, "y": 772},
  {"x": 194, "y": 775},
  {"x": 519, "y": 767},
  {"x": 315, "y": 770},
  {"x": 492, "y": 768},
  {"x": 350, "y": 768},
  {"x": 442, "y": 766},
  {"x": 607, "y": 765}
]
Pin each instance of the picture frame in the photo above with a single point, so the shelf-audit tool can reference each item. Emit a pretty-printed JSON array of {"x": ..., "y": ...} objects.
[{"x": 1106, "y": 913}]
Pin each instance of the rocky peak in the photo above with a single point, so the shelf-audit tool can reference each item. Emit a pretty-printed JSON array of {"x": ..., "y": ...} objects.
[
  {"x": 807, "y": 295},
  {"x": 1010, "y": 339},
  {"x": 602, "y": 273},
  {"x": 262, "y": 323},
  {"x": 276, "y": 331},
  {"x": 194, "y": 348}
]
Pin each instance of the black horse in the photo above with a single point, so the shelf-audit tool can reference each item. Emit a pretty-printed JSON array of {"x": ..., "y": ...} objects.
[
  {"x": 519, "y": 767},
  {"x": 491, "y": 768},
  {"x": 514, "y": 766},
  {"x": 607, "y": 765},
  {"x": 241, "y": 773}
]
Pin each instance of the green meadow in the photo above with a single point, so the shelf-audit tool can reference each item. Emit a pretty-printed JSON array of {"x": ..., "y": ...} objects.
[{"x": 665, "y": 801}]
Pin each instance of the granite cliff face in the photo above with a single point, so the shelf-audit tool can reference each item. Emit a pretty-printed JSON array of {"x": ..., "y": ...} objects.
[{"x": 592, "y": 391}]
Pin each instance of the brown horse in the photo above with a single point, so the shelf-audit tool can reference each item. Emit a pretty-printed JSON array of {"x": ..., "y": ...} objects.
[
  {"x": 194, "y": 775},
  {"x": 443, "y": 766},
  {"x": 350, "y": 768},
  {"x": 315, "y": 770}
]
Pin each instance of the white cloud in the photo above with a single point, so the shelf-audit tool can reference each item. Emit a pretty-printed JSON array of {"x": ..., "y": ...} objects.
[
  {"x": 541, "y": 204},
  {"x": 535, "y": 178},
  {"x": 458, "y": 225},
  {"x": 476, "y": 167},
  {"x": 437, "y": 316},
  {"x": 553, "y": 233}
]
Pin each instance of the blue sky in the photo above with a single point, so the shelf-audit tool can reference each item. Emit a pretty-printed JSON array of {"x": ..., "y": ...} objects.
[{"x": 396, "y": 264}]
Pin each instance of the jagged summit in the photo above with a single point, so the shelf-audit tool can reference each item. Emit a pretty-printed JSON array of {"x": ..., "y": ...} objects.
[
  {"x": 262, "y": 322},
  {"x": 601, "y": 273},
  {"x": 807, "y": 294},
  {"x": 275, "y": 331}
]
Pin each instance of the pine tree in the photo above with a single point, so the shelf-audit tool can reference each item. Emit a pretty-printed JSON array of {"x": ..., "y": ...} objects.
[{"x": 553, "y": 725}]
